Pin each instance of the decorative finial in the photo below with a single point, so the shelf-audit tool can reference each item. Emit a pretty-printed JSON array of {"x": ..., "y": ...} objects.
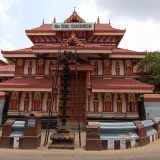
[
  {"x": 74, "y": 9},
  {"x": 54, "y": 20},
  {"x": 109, "y": 21},
  {"x": 98, "y": 20},
  {"x": 43, "y": 21}
]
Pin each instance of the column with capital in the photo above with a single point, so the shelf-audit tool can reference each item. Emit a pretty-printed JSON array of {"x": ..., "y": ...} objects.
[
  {"x": 42, "y": 96},
  {"x": 136, "y": 102},
  {"x": 112, "y": 95},
  {"x": 19, "y": 100},
  {"x": 103, "y": 108},
  {"x": 32, "y": 100},
  {"x": 126, "y": 97},
  {"x": 89, "y": 77}
]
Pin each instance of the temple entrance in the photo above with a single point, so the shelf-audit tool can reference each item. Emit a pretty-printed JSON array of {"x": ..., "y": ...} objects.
[{"x": 73, "y": 111}]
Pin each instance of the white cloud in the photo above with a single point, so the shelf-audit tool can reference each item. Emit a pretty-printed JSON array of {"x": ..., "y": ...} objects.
[
  {"x": 140, "y": 35},
  {"x": 7, "y": 24}
]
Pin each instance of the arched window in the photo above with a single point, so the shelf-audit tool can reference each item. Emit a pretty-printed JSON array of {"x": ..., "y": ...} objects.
[
  {"x": 26, "y": 102},
  {"x": 14, "y": 102},
  {"x": 40, "y": 67},
  {"x": 96, "y": 68},
  {"x": 19, "y": 67},
  {"x": 128, "y": 68},
  {"x": 108, "y": 104},
  {"x": 117, "y": 68},
  {"x": 107, "y": 68},
  {"x": 36, "y": 103},
  {"x": 96, "y": 103},
  {"x": 30, "y": 68},
  {"x": 132, "y": 104},
  {"x": 119, "y": 103},
  {"x": 48, "y": 102},
  {"x": 50, "y": 71}
]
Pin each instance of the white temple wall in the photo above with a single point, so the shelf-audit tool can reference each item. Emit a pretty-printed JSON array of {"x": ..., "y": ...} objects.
[
  {"x": 46, "y": 70},
  {"x": 123, "y": 103},
  {"x": 114, "y": 67},
  {"x": 34, "y": 67},
  {"x": 100, "y": 68},
  {"x": 100, "y": 102},
  {"x": 22, "y": 101},
  {"x": 44, "y": 104},
  {"x": 26, "y": 66}
]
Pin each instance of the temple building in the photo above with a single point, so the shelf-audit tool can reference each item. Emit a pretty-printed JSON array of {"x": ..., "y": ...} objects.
[{"x": 108, "y": 88}]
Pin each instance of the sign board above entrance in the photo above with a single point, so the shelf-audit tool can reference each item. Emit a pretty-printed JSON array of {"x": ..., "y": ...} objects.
[{"x": 73, "y": 26}]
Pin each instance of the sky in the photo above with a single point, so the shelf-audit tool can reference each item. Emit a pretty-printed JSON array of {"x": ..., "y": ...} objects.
[{"x": 140, "y": 18}]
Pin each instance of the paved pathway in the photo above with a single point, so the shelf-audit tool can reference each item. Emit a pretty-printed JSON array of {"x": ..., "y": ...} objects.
[{"x": 149, "y": 152}]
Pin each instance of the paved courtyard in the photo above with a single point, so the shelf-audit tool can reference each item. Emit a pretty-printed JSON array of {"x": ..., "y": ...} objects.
[{"x": 149, "y": 152}]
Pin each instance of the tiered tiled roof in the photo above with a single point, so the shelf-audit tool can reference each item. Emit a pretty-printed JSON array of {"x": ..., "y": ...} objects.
[
  {"x": 99, "y": 83},
  {"x": 27, "y": 83}
]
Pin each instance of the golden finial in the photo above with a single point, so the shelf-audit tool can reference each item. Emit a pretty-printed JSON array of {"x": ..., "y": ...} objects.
[
  {"x": 98, "y": 20},
  {"x": 54, "y": 20}
]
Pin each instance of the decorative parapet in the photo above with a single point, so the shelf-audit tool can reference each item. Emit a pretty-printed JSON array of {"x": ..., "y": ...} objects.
[{"x": 123, "y": 135}]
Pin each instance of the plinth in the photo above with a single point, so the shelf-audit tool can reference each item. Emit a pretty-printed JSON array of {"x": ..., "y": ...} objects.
[{"x": 63, "y": 139}]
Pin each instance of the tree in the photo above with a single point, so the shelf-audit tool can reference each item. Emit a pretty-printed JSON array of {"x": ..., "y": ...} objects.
[
  {"x": 149, "y": 68},
  {"x": 9, "y": 62}
]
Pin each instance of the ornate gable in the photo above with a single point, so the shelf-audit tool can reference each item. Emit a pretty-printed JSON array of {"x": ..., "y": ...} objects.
[
  {"x": 74, "y": 18},
  {"x": 73, "y": 40}
]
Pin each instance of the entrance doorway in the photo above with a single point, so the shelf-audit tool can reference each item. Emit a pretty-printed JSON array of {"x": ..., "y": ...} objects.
[{"x": 72, "y": 103}]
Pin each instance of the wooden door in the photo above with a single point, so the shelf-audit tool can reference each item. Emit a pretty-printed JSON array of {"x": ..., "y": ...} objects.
[{"x": 73, "y": 111}]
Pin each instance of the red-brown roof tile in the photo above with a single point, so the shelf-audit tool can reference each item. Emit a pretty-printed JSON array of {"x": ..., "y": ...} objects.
[
  {"x": 7, "y": 69},
  {"x": 100, "y": 83},
  {"x": 151, "y": 97},
  {"x": 24, "y": 50},
  {"x": 126, "y": 51},
  {"x": 42, "y": 28},
  {"x": 106, "y": 27},
  {"x": 27, "y": 83}
]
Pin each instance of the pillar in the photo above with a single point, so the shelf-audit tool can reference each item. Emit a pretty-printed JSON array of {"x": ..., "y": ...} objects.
[
  {"x": 89, "y": 77},
  {"x": 136, "y": 102},
  {"x": 126, "y": 97},
  {"x": 89, "y": 97},
  {"x": 102, "y": 94},
  {"x": 112, "y": 94},
  {"x": 42, "y": 96},
  {"x": 124, "y": 67},
  {"x": 19, "y": 99},
  {"x": 32, "y": 95}
]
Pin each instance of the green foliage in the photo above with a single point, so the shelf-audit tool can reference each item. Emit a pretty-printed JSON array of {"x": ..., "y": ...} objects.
[
  {"x": 9, "y": 62},
  {"x": 149, "y": 68}
]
